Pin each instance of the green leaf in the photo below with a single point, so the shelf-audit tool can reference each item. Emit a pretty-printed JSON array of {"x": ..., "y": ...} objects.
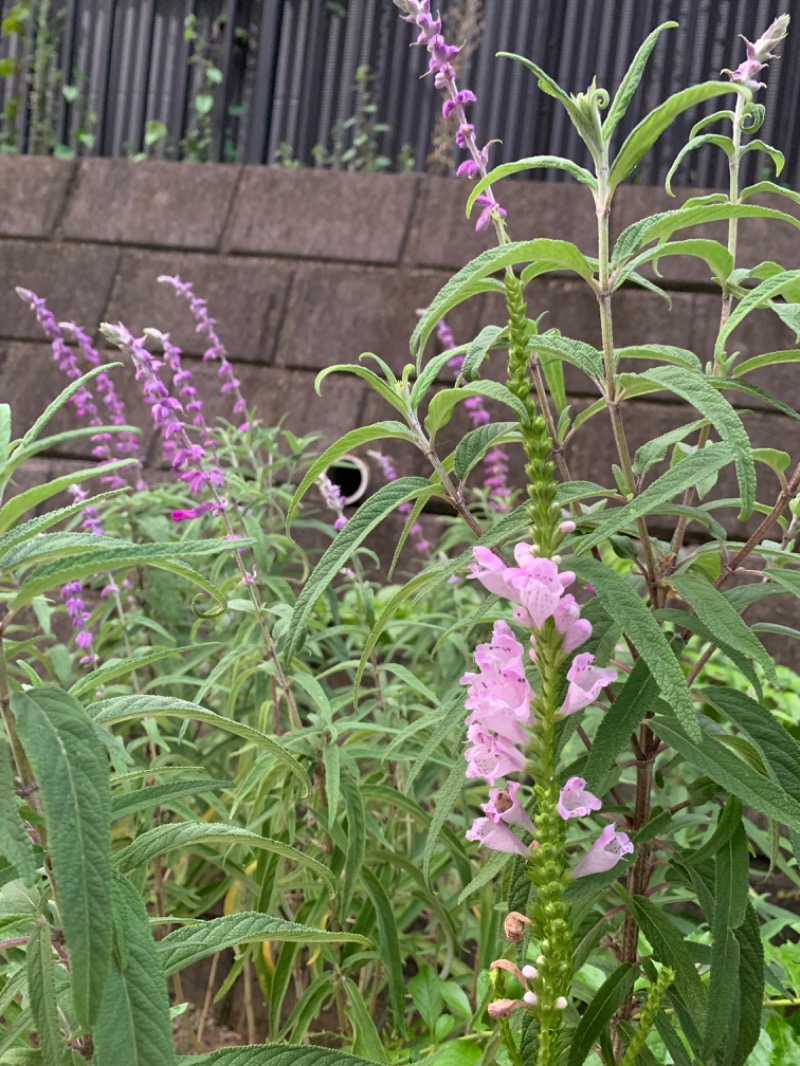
[
  {"x": 472, "y": 448},
  {"x": 697, "y": 391},
  {"x": 777, "y": 157},
  {"x": 676, "y": 480},
  {"x": 630, "y": 82},
  {"x": 389, "y": 938},
  {"x": 113, "y": 669},
  {"x": 757, "y": 298},
  {"x": 116, "y": 556},
  {"x": 720, "y": 141},
  {"x": 533, "y": 162},
  {"x": 366, "y": 1039},
  {"x": 630, "y": 706},
  {"x": 778, "y": 748},
  {"x": 356, "y": 839},
  {"x": 750, "y": 990},
  {"x": 445, "y": 800},
  {"x": 580, "y": 354},
  {"x": 622, "y": 603},
  {"x": 15, "y": 844},
  {"x": 274, "y": 1055},
  {"x": 66, "y": 393},
  {"x": 440, "y": 409},
  {"x": 669, "y": 947},
  {"x": 730, "y": 898},
  {"x": 369, "y": 515},
  {"x": 37, "y": 525},
  {"x": 382, "y": 387},
  {"x": 71, "y": 770},
  {"x": 666, "y": 353},
  {"x": 26, "y": 501},
  {"x": 187, "y": 835},
  {"x": 599, "y": 1012},
  {"x": 733, "y": 774},
  {"x": 716, "y": 613},
  {"x": 134, "y": 1025},
  {"x": 713, "y": 253},
  {"x": 142, "y": 799},
  {"x": 190, "y": 943},
  {"x": 39, "y": 963},
  {"x": 647, "y": 132},
  {"x": 655, "y": 450},
  {"x": 477, "y": 351},
  {"x": 547, "y": 85},
  {"x": 345, "y": 444},
  {"x": 561, "y": 254},
  {"x": 135, "y": 707}
]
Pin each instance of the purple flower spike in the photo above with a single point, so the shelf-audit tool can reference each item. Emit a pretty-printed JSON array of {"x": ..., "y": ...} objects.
[
  {"x": 586, "y": 682},
  {"x": 334, "y": 500},
  {"x": 605, "y": 853},
  {"x": 495, "y": 835},
  {"x": 575, "y": 802},
  {"x": 490, "y": 209},
  {"x": 72, "y": 598}
]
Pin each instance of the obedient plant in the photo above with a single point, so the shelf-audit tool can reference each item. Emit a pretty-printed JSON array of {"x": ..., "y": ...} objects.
[{"x": 583, "y": 842}]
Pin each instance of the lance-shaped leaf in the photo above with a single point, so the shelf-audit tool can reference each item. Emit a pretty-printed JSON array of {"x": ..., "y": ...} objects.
[
  {"x": 717, "y": 139},
  {"x": 142, "y": 799},
  {"x": 134, "y": 707},
  {"x": 724, "y": 623},
  {"x": 345, "y": 444},
  {"x": 713, "y": 253},
  {"x": 369, "y": 515},
  {"x": 647, "y": 132},
  {"x": 676, "y": 480},
  {"x": 534, "y": 162},
  {"x": 731, "y": 887},
  {"x": 274, "y": 1055},
  {"x": 631, "y": 704},
  {"x": 163, "y": 838},
  {"x": 440, "y": 409},
  {"x": 25, "y": 501},
  {"x": 134, "y": 1024},
  {"x": 190, "y": 943},
  {"x": 472, "y": 448},
  {"x": 697, "y": 391},
  {"x": 469, "y": 280},
  {"x": 749, "y": 992},
  {"x": 39, "y": 964},
  {"x": 623, "y": 603},
  {"x": 15, "y": 844},
  {"x": 602, "y": 1008},
  {"x": 71, "y": 770},
  {"x": 757, "y": 298},
  {"x": 630, "y": 83}
]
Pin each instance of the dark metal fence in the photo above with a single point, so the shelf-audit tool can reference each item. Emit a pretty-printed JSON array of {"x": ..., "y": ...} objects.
[{"x": 288, "y": 88}]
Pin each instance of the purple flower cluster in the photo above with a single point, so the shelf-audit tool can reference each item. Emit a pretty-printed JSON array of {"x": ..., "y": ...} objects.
[
  {"x": 189, "y": 458},
  {"x": 72, "y": 598},
  {"x": 758, "y": 55},
  {"x": 205, "y": 325},
  {"x": 495, "y": 462},
  {"x": 334, "y": 500},
  {"x": 440, "y": 64},
  {"x": 499, "y": 699}
]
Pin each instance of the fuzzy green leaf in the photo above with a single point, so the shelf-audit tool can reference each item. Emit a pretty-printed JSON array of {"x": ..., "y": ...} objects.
[
  {"x": 467, "y": 282},
  {"x": 71, "y": 769},
  {"x": 488, "y": 338},
  {"x": 472, "y": 448},
  {"x": 444, "y": 800},
  {"x": 389, "y": 944},
  {"x": 676, "y": 480},
  {"x": 647, "y": 132},
  {"x": 369, "y": 515},
  {"x": 534, "y": 162},
  {"x": 366, "y": 1038},
  {"x": 599, "y": 1012},
  {"x": 345, "y": 444},
  {"x": 274, "y": 1055},
  {"x": 622, "y": 602},
  {"x": 713, "y": 253},
  {"x": 127, "y": 803},
  {"x": 716, "y": 613},
  {"x": 187, "y": 835},
  {"x": 696, "y": 390},
  {"x": 630, "y": 83},
  {"x": 39, "y": 963},
  {"x": 15, "y": 844},
  {"x": 750, "y": 990},
  {"x": 356, "y": 838},
  {"x": 720, "y": 141},
  {"x": 440, "y": 409},
  {"x": 134, "y": 707},
  {"x": 730, "y": 897},
  {"x": 134, "y": 1024},
  {"x": 767, "y": 290},
  {"x": 190, "y": 943},
  {"x": 632, "y": 703},
  {"x": 580, "y": 354},
  {"x": 11, "y": 511}
]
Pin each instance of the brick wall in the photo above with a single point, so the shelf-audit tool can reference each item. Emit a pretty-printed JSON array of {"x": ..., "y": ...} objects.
[{"x": 305, "y": 268}]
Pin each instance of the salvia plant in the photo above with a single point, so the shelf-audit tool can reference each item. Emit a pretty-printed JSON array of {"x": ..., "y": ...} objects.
[{"x": 225, "y": 740}]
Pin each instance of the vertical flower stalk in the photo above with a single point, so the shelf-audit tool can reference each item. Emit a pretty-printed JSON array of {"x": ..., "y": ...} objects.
[{"x": 206, "y": 326}]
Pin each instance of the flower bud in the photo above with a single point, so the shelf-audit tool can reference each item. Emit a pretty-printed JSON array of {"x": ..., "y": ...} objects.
[
  {"x": 530, "y": 999},
  {"x": 529, "y": 972}
]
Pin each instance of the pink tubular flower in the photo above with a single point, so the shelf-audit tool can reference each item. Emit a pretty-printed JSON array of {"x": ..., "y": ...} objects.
[
  {"x": 503, "y": 806},
  {"x": 491, "y": 756},
  {"x": 495, "y": 835},
  {"x": 575, "y": 802},
  {"x": 605, "y": 853},
  {"x": 585, "y": 683},
  {"x": 759, "y": 54},
  {"x": 574, "y": 629},
  {"x": 499, "y": 695},
  {"x": 491, "y": 208},
  {"x": 492, "y": 573}
]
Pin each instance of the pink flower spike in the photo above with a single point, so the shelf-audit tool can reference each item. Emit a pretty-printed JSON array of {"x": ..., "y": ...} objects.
[
  {"x": 493, "y": 573},
  {"x": 575, "y": 802},
  {"x": 469, "y": 168},
  {"x": 503, "y": 806},
  {"x": 605, "y": 853},
  {"x": 585, "y": 683},
  {"x": 574, "y": 629},
  {"x": 498, "y": 837}
]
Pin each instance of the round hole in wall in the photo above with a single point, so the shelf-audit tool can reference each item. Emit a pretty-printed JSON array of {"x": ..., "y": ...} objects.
[{"x": 351, "y": 476}]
